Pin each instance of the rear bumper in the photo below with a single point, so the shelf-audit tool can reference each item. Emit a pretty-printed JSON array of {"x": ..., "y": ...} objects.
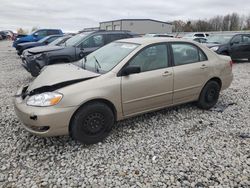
[
  {"x": 226, "y": 81},
  {"x": 43, "y": 121}
]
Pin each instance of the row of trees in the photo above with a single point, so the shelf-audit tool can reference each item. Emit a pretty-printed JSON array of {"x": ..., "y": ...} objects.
[
  {"x": 22, "y": 31},
  {"x": 229, "y": 22}
]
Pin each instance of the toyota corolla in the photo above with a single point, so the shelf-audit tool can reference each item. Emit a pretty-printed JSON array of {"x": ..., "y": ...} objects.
[{"x": 120, "y": 80}]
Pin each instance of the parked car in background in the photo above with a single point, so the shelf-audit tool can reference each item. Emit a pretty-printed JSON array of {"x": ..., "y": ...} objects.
[
  {"x": 74, "y": 49},
  {"x": 9, "y": 34},
  {"x": 36, "y": 36},
  {"x": 3, "y": 35},
  {"x": 60, "y": 41},
  {"x": 237, "y": 46},
  {"x": 200, "y": 40},
  {"x": 120, "y": 80},
  {"x": 157, "y": 35},
  {"x": 44, "y": 41},
  {"x": 195, "y": 35},
  {"x": 28, "y": 53}
]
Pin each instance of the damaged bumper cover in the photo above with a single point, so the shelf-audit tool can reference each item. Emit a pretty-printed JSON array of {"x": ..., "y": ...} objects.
[
  {"x": 32, "y": 65},
  {"x": 49, "y": 121}
]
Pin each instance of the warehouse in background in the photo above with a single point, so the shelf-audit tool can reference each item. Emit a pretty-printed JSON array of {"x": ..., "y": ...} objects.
[{"x": 140, "y": 26}]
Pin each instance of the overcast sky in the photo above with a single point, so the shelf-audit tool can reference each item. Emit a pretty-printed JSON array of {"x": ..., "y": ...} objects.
[{"x": 75, "y": 15}]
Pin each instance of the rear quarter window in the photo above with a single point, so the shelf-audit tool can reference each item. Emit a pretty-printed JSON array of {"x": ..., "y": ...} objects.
[
  {"x": 52, "y": 32},
  {"x": 187, "y": 53}
]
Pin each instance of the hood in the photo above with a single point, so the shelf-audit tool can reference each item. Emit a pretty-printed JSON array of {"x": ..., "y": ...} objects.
[
  {"x": 210, "y": 45},
  {"x": 30, "y": 44},
  {"x": 26, "y": 38},
  {"x": 54, "y": 77},
  {"x": 45, "y": 49}
]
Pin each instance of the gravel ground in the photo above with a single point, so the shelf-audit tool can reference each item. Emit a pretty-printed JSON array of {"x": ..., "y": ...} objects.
[{"x": 176, "y": 147}]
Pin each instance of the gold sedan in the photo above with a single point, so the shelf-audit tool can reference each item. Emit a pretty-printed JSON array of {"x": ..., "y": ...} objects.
[{"x": 122, "y": 79}]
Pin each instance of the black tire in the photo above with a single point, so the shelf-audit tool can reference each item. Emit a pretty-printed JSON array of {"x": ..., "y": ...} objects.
[
  {"x": 209, "y": 95},
  {"x": 92, "y": 123}
]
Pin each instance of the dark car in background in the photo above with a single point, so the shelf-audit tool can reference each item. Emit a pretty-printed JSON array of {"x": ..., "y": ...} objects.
[
  {"x": 44, "y": 41},
  {"x": 200, "y": 40},
  {"x": 36, "y": 36},
  {"x": 74, "y": 49},
  {"x": 237, "y": 46},
  {"x": 28, "y": 53},
  {"x": 3, "y": 35}
]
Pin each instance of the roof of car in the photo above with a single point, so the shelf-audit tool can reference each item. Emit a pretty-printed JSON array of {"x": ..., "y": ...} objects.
[{"x": 150, "y": 40}]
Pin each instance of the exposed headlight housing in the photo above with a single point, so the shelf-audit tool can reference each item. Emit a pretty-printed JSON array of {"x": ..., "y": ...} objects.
[
  {"x": 38, "y": 56},
  {"x": 215, "y": 48},
  {"x": 45, "y": 99}
]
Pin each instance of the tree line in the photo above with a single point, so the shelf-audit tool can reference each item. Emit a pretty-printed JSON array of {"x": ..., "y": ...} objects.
[{"x": 229, "y": 22}]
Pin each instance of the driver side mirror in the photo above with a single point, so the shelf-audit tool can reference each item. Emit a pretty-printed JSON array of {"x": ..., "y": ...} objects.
[
  {"x": 35, "y": 35},
  {"x": 130, "y": 70}
]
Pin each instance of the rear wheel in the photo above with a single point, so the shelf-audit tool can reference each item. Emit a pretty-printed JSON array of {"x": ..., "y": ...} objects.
[
  {"x": 92, "y": 123},
  {"x": 209, "y": 95}
]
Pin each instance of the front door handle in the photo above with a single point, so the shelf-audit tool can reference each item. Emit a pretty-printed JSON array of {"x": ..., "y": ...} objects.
[
  {"x": 203, "y": 66},
  {"x": 167, "y": 73}
]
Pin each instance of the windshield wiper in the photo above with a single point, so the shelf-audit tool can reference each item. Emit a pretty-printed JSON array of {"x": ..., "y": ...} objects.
[{"x": 97, "y": 63}]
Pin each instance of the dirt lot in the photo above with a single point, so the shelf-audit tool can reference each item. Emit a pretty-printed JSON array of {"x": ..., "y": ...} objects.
[{"x": 181, "y": 146}]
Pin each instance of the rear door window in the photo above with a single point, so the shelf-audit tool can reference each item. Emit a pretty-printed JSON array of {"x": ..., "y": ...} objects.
[
  {"x": 52, "y": 32},
  {"x": 41, "y": 33},
  {"x": 199, "y": 35},
  {"x": 185, "y": 53}
]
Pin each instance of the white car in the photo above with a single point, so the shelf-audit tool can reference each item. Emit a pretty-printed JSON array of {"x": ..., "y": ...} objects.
[{"x": 195, "y": 35}]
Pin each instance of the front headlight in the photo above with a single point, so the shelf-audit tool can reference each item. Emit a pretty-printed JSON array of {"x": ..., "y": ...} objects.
[
  {"x": 38, "y": 56},
  {"x": 215, "y": 48},
  {"x": 45, "y": 99}
]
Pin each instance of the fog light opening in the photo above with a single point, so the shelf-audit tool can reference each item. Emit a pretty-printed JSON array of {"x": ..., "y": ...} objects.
[{"x": 40, "y": 128}]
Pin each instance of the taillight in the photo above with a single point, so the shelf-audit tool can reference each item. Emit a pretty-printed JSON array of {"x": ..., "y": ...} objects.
[{"x": 231, "y": 63}]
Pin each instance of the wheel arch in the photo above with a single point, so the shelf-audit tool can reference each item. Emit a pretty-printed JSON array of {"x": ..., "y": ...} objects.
[
  {"x": 100, "y": 100},
  {"x": 217, "y": 79}
]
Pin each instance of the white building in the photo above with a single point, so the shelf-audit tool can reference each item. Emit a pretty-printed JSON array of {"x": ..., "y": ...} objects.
[{"x": 140, "y": 26}]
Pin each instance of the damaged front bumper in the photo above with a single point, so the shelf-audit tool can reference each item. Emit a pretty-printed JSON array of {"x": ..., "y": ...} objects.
[
  {"x": 42, "y": 121},
  {"x": 32, "y": 65}
]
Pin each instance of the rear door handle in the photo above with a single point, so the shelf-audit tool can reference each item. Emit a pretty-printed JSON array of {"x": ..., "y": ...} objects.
[
  {"x": 203, "y": 66},
  {"x": 167, "y": 73}
]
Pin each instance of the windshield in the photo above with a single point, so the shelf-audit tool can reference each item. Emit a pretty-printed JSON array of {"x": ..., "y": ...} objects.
[
  {"x": 57, "y": 41},
  {"x": 107, "y": 57},
  {"x": 73, "y": 41},
  {"x": 219, "y": 39},
  {"x": 44, "y": 39}
]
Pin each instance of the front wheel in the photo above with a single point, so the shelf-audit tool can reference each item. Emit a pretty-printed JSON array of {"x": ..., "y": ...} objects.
[
  {"x": 209, "y": 95},
  {"x": 92, "y": 123}
]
